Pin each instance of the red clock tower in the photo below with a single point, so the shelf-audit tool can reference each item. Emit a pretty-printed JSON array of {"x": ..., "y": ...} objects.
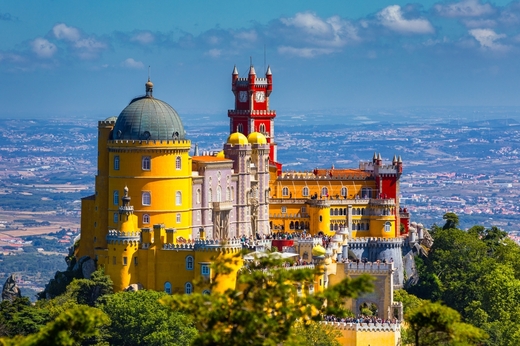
[{"x": 252, "y": 113}]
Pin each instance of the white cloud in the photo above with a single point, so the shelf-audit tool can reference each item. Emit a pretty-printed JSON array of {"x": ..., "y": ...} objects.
[
  {"x": 143, "y": 37},
  {"x": 392, "y": 18},
  {"x": 131, "y": 63},
  {"x": 466, "y": 8},
  {"x": 43, "y": 48},
  {"x": 63, "y": 32},
  {"x": 214, "y": 53},
  {"x": 88, "y": 48},
  {"x": 304, "y": 52},
  {"x": 479, "y": 23},
  {"x": 309, "y": 22},
  {"x": 250, "y": 36},
  {"x": 487, "y": 39}
]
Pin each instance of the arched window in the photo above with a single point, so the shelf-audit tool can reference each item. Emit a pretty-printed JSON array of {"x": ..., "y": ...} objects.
[
  {"x": 189, "y": 262},
  {"x": 178, "y": 163},
  {"x": 116, "y": 217},
  {"x": 262, "y": 128},
  {"x": 146, "y": 163},
  {"x": 232, "y": 194},
  {"x": 305, "y": 191},
  {"x": 115, "y": 198},
  {"x": 240, "y": 128},
  {"x": 335, "y": 211},
  {"x": 285, "y": 191},
  {"x": 219, "y": 194},
  {"x": 228, "y": 194},
  {"x": 178, "y": 217},
  {"x": 331, "y": 211},
  {"x": 188, "y": 288},
  {"x": 146, "y": 198},
  {"x": 146, "y": 219},
  {"x": 325, "y": 192},
  {"x": 207, "y": 292},
  {"x": 388, "y": 226},
  {"x": 340, "y": 211},
  {"x": 168, "y": 287},
  {"x": 210, "y": 196},
  {"x": 344, "y": 192},
  {"x": 178, "y": 198},
  {"x": 198, "y": 196},
  {"x": 331, "y": 227},
  {"x": 291, "y": 225},
  {"x": 116, "y": 163}
]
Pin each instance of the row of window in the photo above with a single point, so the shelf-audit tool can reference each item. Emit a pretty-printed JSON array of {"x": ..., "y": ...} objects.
[
  {"x": 365, "y": 192},
  {"x": 146, "y": 198},
  {"x": 146, "y": 218},
  {"x": 261, "y": 128},
  {"x": 146, "y": 163},
  {"x": 229, "y": 194}
]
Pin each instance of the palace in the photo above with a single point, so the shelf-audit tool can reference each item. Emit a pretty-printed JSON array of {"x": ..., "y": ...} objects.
[{"x": 159, "y": 215}]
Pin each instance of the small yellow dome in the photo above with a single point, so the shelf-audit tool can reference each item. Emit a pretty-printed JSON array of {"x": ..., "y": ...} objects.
[
  {"x": 256, "y": 138},
  {"x": 237, "y": 138},
  {"x": 221, "y": 155},
  {"x": 318, "y": 250}
]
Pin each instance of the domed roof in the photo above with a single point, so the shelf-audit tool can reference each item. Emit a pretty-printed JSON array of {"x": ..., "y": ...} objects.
[
  {"x": 318, "y": 250},
  {"x": 221, "y": 154},
  {"x": 147, "y": 118},
  {"x": 237, "y": 138},
  {"x": 256, "y": 138}
]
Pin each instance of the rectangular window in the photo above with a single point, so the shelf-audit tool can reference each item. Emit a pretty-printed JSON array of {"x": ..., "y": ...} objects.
[
  {"x": 204, "y": 269},
  {"x": 198, "y": 215},
  {"x": 135, "y": 260},
  {"x": 284, "y": 210},
  {"x": 178, "y": 218},
  {"x": 116, "y": 217},
  {"x": 115, "y": 199},
  {"x": 125, "y": 261},
  {"x": 146, "y": 198}
]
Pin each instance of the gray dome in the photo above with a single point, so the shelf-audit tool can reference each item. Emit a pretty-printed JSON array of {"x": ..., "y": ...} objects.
[{"x": 147, "y": 118}]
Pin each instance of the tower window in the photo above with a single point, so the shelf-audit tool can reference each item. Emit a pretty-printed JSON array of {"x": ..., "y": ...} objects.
[
  {"x": 198, "y": 196},
  {"x": 204, "y": 269},
  {"x": 115, "y": 198},
  {"x": 116, "y": 163},
  {"x": 146, "y": 163},
  {"x": 189, "y": 263},
  {"x": 116, "y": 217},
  {"x": 146, "y": 198},
  {"x": 188, "y": 288},
  {"x": 168, "y": 287},
  {"x": 262, "y": 128},
  {"x": 125, "y": 261},
  {"x": 344, "y": 192},
  {"x": 178, "y": 218},
  {"x": 285, "y": 191},
  {"x": 305, "y": 191},
  {"x": 388, "y": 226},
  {"x": 210, "y": 196},
  {"x": 146, "y": 219},
  {"x": 228, "y": 194},
  {"x": 219, "y": 193},
  {"x": 178, "y": 198},
  {"x": 240, "y": 128},
  {"x": 178, "y": 163}
]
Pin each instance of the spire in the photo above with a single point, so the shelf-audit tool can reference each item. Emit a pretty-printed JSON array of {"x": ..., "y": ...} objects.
[
  {"x": 196, "y": 151},
  {"x": 252, "y": 70},
  {"x": 394, "y": 160},
  {"x": 399, "y": 160},
  {"x": 235, "y": 70},
  {"x": 375, "y": 156},
  {"x": 379, "y": 157},
  {"x": 268, "y": 73}
]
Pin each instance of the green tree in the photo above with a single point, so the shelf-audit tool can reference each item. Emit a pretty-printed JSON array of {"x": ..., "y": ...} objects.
[
  {"x": 19, "y": 317},
  {"x": 313, "y": 334},
  {"x": 69, "y": 328},
  {"x": 452, "y": 221},
  {"x": 264, "y": 307},
  {"x": 137, "y": 318},
  {"x": 434, "y": 324}
]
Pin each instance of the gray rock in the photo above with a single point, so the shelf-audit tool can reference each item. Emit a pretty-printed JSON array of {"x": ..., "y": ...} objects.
[
  {"x": 10, "y": 291},
  {"x": 133, "y": 288},
  {"x": 88, "y": 267}
]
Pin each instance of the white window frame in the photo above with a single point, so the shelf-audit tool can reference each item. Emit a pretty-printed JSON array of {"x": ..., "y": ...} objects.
[
  {"x": 146, "y": 163},
  {"x": 178, "y": 198},
  {"x": 146, "y": 198},
  {"x": 146, "y": 219},
  {"x": 344, "y": 192},
  {"x": 284, "y": 210},
  {"x": 178, "y": 163},
  {"x": 388, "y": 226},
  {"x": 178, "y": 218},
  {"x": 324, "y": 191},
  {"x": 205, "y": 270},
  {"x": 285, "y": 191},
  {"x": 305, "y": 191}
]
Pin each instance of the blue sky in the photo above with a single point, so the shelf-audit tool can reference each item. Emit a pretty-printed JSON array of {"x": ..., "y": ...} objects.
[{"x": 69, "y": 58}]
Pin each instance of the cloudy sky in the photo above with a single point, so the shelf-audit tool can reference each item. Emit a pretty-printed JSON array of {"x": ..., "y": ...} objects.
[{"x": 67, "y": 58}]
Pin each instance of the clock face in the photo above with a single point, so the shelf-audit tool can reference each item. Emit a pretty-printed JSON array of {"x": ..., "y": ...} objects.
[
  {"x": 242, "y": 96},
  {"x": 259, "y": 96}
]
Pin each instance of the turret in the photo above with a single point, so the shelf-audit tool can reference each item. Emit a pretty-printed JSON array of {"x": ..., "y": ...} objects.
[
  {"x": 234, "y": 75},
  {"x": 269, "y": 77}
]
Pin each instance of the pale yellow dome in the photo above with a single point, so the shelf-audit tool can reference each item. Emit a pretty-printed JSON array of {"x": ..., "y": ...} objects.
[
  {"x": 256, "y": 138},
  {"x": 318, "y": 250},
  {"x": 237, "y": 138},
  {"x": 221, "y": 155}
]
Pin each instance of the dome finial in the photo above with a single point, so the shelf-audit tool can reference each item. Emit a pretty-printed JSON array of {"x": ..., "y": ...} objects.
[{"x": 149, "y": 85}]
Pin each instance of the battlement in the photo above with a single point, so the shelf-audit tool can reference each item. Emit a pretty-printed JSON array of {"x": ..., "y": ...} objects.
[
  {"x": 384, "y": 202},
  {"x": 370, "y": 166},
  {"x": 367, "y": 267},
  {"x": 126, "y": 208},
  {"x": 206, "y": 245},
  {"x": 252, "y": 113},
  {"x": 155, "y": 143},
  {"x": 363, "y": 242},
  {"x": 337, "y": 175},
  {"x": 118, "y": 236},
  {"x": 366, "y": 327},
  {"x": 106, "y": 123}
]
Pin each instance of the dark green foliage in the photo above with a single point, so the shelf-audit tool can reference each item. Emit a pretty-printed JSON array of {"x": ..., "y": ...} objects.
[
  {"x": 19, "y": 317},
  {"x": 137, "y": 318}
]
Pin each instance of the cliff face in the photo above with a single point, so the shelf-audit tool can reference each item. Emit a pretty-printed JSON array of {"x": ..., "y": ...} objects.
[{"x": 10, "y": 291}]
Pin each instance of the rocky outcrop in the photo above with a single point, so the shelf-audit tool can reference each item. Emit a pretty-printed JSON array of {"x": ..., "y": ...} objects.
[
  {"x": 11, "y": 291},
  {"x": 84, "y": 267},
  {"x": 134, "y": 288}
]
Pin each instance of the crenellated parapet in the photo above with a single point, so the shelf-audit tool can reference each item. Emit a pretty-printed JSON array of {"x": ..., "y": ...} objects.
[
  {"x": 359, "y": 243},
  {"x": 106, "y": 123},
  {"x": 126, "y": 144},
  {"x": 118, "y": 237},
  {"x": 308, "y": 175},
  {"x": 366, "y": 327},
  {"x": 372, "y": 268}
]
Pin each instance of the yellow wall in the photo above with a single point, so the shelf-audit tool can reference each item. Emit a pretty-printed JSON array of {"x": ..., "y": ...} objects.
[{"x": 351, "y": 337}]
